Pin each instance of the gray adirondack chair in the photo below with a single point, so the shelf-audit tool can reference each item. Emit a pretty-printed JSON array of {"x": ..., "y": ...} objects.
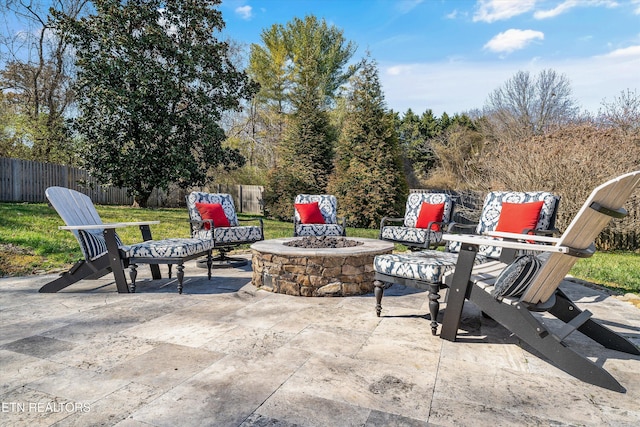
[{"x": 540, "y": 291}]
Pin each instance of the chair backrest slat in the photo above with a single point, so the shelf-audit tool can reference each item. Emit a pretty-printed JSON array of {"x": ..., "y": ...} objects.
[
  {"x": 580, "y": 234},
  {"x": 73, "y": 207}
]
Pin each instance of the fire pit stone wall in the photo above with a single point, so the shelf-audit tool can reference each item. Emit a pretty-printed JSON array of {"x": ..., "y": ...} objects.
[{"x": 315, "y": 272}]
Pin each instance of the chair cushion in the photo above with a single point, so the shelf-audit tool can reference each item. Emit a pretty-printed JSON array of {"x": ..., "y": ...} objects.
[
  {"x": 239, "y": 234},
  {"x": 93, "y": 244},
  {"x": 223, "y": 199},
  {"x": 319, "y": 230},
  {"x": 427, "y": 266},
  {"x": 414, "y": 203},
  {"x": 327, "y": 203},
  {"x": 430, "y": 212},
  {"x": 516, "y": 217},
  {"x": 516, "y": 277},
  {"x": 309, "y": 213},
  {"x": 410, "y": 234},
  {"x": 168, "y": 248},
  {"x": 492, "y": 208},
  {"x": 213, "y": 211}
]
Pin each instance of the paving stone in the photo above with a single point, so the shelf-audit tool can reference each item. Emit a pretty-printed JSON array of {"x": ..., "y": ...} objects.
[{"x": 227, "y": 354}]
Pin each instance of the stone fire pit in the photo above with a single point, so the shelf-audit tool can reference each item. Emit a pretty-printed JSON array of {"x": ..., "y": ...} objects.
[{"x": 317, "y": 271}]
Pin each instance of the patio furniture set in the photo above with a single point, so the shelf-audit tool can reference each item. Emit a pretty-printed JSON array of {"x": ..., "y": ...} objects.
[{"x": 510, "y": 264}]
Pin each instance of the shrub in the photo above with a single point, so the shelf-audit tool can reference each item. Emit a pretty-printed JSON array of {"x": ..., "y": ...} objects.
[{"x": 570, "y": 162}]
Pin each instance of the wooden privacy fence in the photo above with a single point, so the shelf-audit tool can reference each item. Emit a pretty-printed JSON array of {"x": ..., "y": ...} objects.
[{"x": 26, "y": 181}]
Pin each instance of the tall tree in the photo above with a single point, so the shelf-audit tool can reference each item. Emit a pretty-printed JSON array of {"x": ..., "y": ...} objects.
[
  {"x": 528, "y": 105},
  {"x": 153, "y": 82},
  {"x": 368, "y": 178},
  {"x": 300, "y": 67},
  {"x": 37, "y": 75}
]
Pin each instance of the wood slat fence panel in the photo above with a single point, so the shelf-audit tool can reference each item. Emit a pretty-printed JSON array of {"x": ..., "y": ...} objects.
[{"x": 26, "y": 181}]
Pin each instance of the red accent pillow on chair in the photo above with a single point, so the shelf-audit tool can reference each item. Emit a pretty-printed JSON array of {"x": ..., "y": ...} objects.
[
  {"x": 309, "y": 213},
  {"x": 516, "y": 217},
  {"x": 215, "y": 212},
  {"x": 428, "y": 213}
]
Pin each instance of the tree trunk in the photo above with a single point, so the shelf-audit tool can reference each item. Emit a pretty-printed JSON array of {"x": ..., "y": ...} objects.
[{"x": 141, "y": 200}]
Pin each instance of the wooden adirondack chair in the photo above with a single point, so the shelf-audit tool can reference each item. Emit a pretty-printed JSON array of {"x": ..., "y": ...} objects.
[
  {"x": 541, "y": 293},
  {"x": 104, "y": 252}
]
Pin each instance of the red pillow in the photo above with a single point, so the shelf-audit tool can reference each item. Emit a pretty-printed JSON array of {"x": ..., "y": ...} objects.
[
  {"x": 516, "y": 217},
  {"x": 428, "y": 213},
  {"x": 309, "y": 213},
  {"x": 215, "y": 212}
]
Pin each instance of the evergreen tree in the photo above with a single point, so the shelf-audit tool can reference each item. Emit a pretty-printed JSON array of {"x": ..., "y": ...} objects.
[
  {"x": 306, "y": 155},
  {"x": 153, "y": 85},
  {"x": 368, "y": 179},
  {"x": 300, "y": 67}
]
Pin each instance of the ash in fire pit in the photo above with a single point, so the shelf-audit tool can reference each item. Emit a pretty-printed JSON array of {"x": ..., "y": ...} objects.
[{"x": 313, "y": 242}]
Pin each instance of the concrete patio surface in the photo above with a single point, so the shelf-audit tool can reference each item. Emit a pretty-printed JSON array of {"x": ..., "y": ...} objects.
[{"x": 226, "y": 354}]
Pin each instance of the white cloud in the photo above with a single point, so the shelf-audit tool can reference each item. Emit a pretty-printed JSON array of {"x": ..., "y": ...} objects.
[
  {"x": 497, "y": 10},
  {"x": 637, "y": 7},
  {"x": 627, "y": 52},
  {"x": 512, "y": 40},
  {"x": 245, "y": 12},
  {"x": 460, "y": 86},
  {"x": 561, "y": 8},
  {"x": 570, "y": 4}
]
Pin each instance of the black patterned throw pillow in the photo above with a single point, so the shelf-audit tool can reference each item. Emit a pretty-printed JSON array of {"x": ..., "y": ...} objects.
[{"x": 516, "y": 277}]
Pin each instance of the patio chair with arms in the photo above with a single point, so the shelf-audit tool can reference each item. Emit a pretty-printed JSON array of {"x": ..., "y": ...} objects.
[
  {"x": 317, "y": 215},
  {"x": 426, "y": 216},
  {"x": 213, "y": 217},
  {"x": 105, "y": 253},
  {"x": 508, "y": 293}
]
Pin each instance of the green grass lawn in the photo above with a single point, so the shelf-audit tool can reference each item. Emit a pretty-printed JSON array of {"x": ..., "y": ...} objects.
[{"x": 30, "y": 242}]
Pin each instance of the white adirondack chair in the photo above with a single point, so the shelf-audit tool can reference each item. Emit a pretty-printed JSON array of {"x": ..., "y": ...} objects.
[{"x": 104, "y": 252}]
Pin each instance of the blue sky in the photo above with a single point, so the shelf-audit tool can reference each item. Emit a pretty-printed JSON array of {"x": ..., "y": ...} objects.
[{"x": 448, "y": 55}]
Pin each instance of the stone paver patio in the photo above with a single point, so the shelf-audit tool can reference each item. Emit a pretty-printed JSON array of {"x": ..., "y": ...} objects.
[{"x": 226, "y": 354}]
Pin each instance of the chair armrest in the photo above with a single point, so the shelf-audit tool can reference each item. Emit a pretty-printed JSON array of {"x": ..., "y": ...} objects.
[
  {"x": 107, "y": 225},
  {"x": 518, "y": 236},
  {"x": 454, "y": 225},
  {"x": 390, "y": 219},
  {"x": 200, "y": 225},
  {"x": 481, "y": 240},
  {"x": 549, "y": 232},
  {"x": 253, "y": 218},
  {"x": 384, "y": 220},
  {"x": 342, "y": 221}
]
